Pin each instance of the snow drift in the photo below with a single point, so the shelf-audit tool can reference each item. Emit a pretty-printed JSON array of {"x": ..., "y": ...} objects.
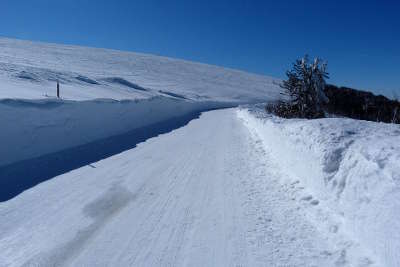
[{"x": 352, "y": 167}]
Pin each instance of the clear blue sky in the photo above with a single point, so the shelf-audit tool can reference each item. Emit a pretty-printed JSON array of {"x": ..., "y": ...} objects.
[{"x": 360, "y": 39}]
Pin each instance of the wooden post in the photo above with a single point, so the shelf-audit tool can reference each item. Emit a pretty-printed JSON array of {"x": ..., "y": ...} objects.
[{"x": 58, "y": 89}]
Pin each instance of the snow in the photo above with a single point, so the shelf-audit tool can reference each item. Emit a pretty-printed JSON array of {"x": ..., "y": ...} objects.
[
  {"x": 350, "y": 167},
  {"x": 124, "y": 171},
  {"x": 104, "y": 94},
  {"x": 155, "y": 205},
  {"x": 32, "y": 128},
  {"x": 30, "y": 70}
]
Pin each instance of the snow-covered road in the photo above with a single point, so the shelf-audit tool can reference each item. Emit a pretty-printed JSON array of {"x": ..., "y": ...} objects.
[{"x": 206, "y": 194}]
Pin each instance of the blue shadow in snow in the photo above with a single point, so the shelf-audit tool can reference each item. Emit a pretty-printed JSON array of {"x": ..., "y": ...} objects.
[{"x": 18, "y": 177}]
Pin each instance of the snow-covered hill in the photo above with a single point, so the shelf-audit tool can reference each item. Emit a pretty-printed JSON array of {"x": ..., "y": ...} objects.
[
  {"x": 30, "y": 70},
  {"x": 104, "y": 93}
]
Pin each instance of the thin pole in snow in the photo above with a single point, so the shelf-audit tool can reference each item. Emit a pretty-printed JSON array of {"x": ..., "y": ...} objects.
[{"x": 58, "y": 89}]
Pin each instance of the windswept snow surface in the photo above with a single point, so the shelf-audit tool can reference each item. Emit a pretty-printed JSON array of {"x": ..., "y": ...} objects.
[
  {"x": 207, "y": 194},
  {"x": 350, "y": 170},
  {"x": 30, "y": 70}
]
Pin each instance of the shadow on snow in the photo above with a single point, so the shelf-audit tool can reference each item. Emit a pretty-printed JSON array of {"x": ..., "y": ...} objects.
[{"x": 20, "y": 176}]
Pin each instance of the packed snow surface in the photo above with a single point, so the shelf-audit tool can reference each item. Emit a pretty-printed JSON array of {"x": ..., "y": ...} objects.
[
  {"x": 233, "y": 187},
  {"x": 30, "y": 70},
  {"x": 207, "y": 194}
]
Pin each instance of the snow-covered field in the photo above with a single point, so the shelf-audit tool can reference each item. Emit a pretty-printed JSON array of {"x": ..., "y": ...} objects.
[
  {"x": 131, "y": 168},
  {"x": 30, "y": 70}
]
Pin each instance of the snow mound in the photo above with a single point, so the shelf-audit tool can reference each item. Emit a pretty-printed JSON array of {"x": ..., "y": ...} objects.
[{"x": 352, "y": 167}]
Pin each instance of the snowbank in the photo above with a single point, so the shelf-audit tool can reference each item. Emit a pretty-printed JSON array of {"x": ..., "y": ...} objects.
[
  {"x": 31, "y": 128},
  {"x": 352, "y": 167}
]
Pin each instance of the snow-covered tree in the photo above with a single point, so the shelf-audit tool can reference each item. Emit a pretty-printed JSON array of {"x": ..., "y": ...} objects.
[{"x": 305, "y": 87}]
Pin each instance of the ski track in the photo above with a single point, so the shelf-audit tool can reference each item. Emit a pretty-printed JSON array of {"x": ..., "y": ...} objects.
[{"x": 206, "y": 194}]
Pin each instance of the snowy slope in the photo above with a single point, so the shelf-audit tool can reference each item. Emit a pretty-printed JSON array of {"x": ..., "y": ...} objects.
[
  {"x": 206, "y": 194},
  {"x": 29, "y": 70},
  {"x": 104, "y": 93},
  {"x": 351, "y": 170}
]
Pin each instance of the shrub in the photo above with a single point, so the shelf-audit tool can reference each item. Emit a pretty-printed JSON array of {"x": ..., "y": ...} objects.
[{"x": 304, "y": 90}]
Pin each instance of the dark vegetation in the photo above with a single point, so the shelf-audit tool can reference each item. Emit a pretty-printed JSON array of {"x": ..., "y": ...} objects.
[
  {"x": 361, "y": 105},
  {"x": 308, "y": 96}
]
